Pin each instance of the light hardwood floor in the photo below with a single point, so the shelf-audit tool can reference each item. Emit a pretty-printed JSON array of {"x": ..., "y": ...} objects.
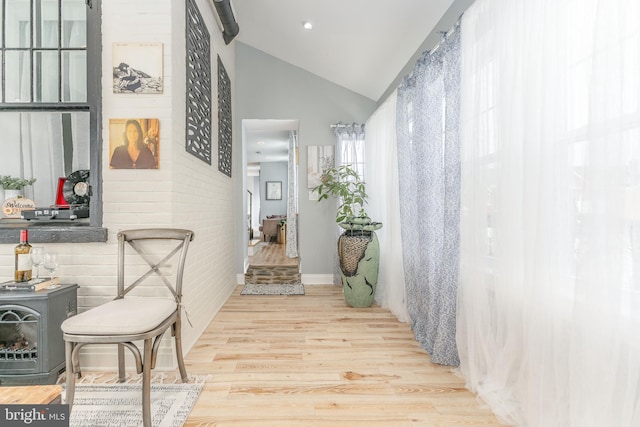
[
  {"x": 311, "y": 361},
  {"x": 279, "y": 361}
]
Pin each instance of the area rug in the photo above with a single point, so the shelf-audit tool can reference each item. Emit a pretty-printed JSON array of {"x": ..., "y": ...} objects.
[
  {"x": 273, "y": 289},
  {"x": 121, "y": 404}
]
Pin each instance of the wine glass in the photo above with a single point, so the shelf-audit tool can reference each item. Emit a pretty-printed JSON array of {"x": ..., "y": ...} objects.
[
  {"x": 50, "y": 263},
  {"x": 37, "y": 258}
]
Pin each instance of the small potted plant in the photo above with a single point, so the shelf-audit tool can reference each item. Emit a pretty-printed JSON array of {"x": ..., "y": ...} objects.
[
  {"x": 358, "y": 247},
  {"x": 13, "y": 186}
]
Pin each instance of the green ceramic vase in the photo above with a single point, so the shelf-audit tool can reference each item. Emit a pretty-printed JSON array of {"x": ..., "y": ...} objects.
[{"x": 359, "y": 254}]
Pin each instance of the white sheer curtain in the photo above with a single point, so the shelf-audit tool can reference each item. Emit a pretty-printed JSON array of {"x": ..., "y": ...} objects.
[
  {"x": 32, "y": 148},
  {"x": 549, "y": 294},
  {"x": 384, "y": 206},
  {"x": 350, "y": 150},
  {"x": 80, "y": 137},
  {"x": 350, "y": 143}
]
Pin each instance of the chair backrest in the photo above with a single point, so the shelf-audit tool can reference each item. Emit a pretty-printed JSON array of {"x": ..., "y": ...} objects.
[{"x": 136, "y": 238}]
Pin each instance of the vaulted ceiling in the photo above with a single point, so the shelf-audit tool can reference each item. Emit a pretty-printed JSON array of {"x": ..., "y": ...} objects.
[{"x": 361, "y": 45}]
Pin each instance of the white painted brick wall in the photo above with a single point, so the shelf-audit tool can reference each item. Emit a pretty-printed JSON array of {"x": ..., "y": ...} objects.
[{"x": 184, "y": 192}]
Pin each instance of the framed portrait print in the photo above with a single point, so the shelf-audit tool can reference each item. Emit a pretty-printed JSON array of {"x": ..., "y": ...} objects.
[
  {"x": 134, "y": 143},
  {"x": 274, "y": 190}
]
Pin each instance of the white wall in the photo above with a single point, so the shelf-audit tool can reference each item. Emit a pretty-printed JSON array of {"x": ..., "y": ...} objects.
[{"x": 184, "y": 192}]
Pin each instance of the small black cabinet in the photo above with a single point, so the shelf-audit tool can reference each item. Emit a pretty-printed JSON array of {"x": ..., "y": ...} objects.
[{"x": 31, "y": 344}]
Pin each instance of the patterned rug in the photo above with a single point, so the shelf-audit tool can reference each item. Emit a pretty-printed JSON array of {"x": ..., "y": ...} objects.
[
  {"x": 121, "y": 404},
  {"x": 273, "y": 289}
]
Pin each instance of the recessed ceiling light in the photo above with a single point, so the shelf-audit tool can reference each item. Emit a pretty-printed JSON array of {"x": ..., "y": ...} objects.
[
  {"x": 307, "y": 25},
  {"x": 260, "y": 142}
]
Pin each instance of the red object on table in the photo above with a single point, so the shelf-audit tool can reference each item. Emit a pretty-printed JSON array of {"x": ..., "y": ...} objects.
[{"x": 60, "y": 200}]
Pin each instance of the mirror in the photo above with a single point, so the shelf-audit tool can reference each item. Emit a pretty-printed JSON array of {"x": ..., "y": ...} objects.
[{"x": 45, "y": 146}]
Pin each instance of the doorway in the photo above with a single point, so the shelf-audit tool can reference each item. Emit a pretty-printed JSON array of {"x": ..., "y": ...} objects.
[{"x": 270, "y": 159}]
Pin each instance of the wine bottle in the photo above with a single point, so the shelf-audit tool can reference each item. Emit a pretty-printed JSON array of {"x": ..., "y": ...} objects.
[{"x": 23, "y": 261}]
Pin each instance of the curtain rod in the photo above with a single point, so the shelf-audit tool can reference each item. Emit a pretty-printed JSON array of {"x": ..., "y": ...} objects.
[{"x": 342, "y": 125}]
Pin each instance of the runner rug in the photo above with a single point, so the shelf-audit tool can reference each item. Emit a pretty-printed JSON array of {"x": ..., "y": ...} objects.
[{"x": 273, "y": 289}]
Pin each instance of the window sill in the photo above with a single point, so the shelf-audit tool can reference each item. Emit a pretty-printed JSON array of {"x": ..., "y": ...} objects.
[{"x": 51, "y": 232}]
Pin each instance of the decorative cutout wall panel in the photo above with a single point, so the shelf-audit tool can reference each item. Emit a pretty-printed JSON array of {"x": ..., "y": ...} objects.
[
  {"x": 224, "y": 120},
  {"x": 198, "y": 137}
]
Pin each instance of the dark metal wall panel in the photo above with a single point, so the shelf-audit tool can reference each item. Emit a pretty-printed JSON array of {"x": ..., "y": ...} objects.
[
  {"x": 198, "y": 134},
  {"x": 224, "y": 120}
]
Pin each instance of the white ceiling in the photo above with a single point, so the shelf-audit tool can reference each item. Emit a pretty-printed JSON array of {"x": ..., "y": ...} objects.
[
  {"x": 266, "y": 141},
  {"x": 361, "y": 45}
]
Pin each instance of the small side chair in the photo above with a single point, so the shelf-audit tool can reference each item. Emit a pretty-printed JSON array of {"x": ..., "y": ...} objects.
[{"x": 130, "y": 318}]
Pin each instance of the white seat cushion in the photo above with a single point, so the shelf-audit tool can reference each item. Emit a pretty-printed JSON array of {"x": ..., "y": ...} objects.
[{"x": 130, "y": 315}]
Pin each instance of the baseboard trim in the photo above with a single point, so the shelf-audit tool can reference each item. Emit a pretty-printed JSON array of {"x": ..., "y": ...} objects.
[{"x": 317, "y": 279}]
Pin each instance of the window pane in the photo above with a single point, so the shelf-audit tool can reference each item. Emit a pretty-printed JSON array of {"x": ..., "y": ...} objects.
[
  {"x": 74, "y": 23},
  {"x": 74, "y": 76},
  {"x": 45, "y": 76},
  {"x": 45, "y": 146},
  {"x": 17, "y": 80},
  {"x": 45, "y": 31},
  {"x": 17, "y": 24}
]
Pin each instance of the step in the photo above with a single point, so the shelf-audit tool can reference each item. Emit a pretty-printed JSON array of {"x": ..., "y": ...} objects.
[
  {"x": 272, "y": 274},
  {"x": 254, "y": 247}
]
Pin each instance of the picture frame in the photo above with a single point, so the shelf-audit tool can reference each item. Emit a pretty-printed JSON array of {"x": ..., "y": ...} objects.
[
  {"x": 319, "y": 159},
  {"x": 274, "y": 190},
  {"x": 137, "y": 67},
  {"x": 145, "y": 134}
]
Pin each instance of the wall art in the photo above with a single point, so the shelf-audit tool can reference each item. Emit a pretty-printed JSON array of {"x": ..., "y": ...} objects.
[
  {"x": 274, "y": 190},
  {"x": 134, "y": 143},
  {"x": 224, "y": 120},
  {"x": 137, "y": 67},
  {"x": 319, "y": 159},
  {"x": 198, "y": 132}
]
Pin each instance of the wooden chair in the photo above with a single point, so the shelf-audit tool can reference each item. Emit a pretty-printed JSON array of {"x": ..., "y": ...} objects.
[{"x": 129, "y": 318}]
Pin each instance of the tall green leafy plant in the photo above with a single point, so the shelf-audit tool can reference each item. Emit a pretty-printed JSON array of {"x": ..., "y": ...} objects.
[{"x": 344, "y": 183}]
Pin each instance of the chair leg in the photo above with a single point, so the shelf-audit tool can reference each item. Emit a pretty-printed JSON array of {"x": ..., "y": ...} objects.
[
  {"x": 177, "y": 333},
  {"x": 121, "y": 370},
  {"x": 75, "y": 360},
  {"x": 146, "y": 383},
  {"x": 71, "y": 378}
]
